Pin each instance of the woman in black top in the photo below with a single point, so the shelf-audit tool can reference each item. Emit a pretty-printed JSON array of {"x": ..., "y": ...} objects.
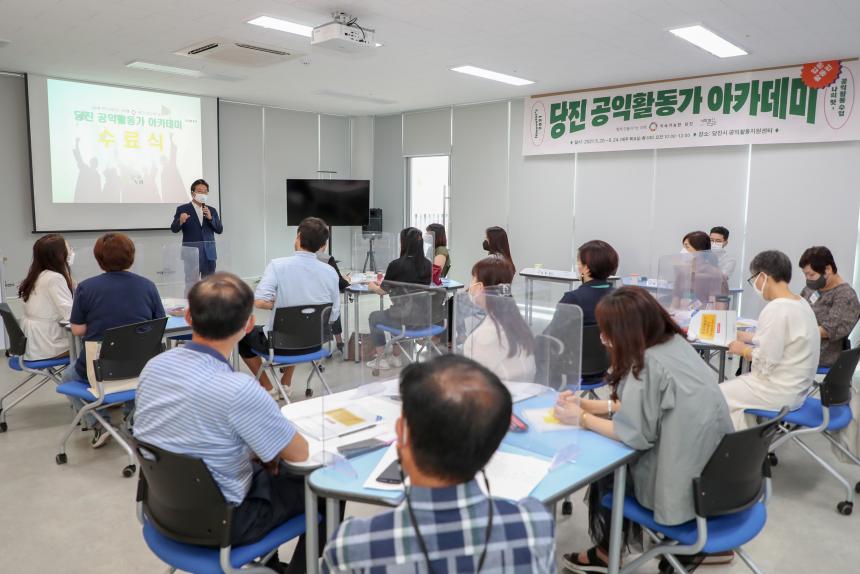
[
  {"x": 496, "y": 243},
  {"x": 411, "y": 267},
  {"x": 596, "y": 261},
  {"x": 342, "y": 284}
]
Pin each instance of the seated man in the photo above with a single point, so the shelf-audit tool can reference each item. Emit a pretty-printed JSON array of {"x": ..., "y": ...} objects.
[
  {"x": 290, "y": 281},
  {"x": 190, "y": 402},
  {"x": 455, "y": 414}
]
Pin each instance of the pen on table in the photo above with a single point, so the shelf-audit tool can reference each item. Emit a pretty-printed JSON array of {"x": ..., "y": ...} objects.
[{"x": 357, "y": 430}]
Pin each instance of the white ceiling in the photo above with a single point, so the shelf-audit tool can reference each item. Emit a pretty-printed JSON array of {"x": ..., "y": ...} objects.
[{"x": 560, "y": 44}]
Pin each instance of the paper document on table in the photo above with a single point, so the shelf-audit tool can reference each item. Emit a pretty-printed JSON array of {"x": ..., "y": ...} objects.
[
  {"x": 522, "y": 391},
  {"x": 389, "y": 457},
  {"x": 514, "y": 476},
  {"x": 335, "y": 422},
  {"x": 543, "y": 420}
]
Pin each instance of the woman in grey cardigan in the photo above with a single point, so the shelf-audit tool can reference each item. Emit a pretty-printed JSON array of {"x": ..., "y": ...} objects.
[{"x": 833, "y": 300}]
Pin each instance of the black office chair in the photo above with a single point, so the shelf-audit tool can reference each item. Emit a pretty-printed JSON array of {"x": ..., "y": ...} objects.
[
  {"x": 186, "y": 521},
  {"x": 124, "y": 352},
  {"x": 46, "y": 369},
  {"x": 730, "y": 496},
  {"x": 595, "y": 361},
  {"x": 825, "y": 415},
  {"x": 303, "y": 329}
]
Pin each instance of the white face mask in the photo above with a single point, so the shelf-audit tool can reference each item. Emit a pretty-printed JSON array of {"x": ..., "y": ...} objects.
[
  {"x": 200, "y": 198},
  {"x": 70, "y": 258},
  {"x": 760, "y": 291},
  {"x": 684, "y": 251},
  {"x": 715, "y": 246}
]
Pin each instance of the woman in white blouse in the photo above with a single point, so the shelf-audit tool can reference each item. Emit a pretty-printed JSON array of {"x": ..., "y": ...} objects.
[
  {"x": 502, "y": 342},
  {"x": 47, "y": 296},
  {"x": 784, "y": 349}
]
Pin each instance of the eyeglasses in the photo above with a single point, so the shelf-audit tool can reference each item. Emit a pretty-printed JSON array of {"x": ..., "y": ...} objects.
[{"x": 752, "y": 279}]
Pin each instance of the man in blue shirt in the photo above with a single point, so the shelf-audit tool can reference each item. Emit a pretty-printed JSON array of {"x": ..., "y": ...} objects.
[
  {"x": 199, "y": 224},
  {"x": 288, "y": 282},
  {"x": 190, "y": 401},
  {"x": 455, "y": 415}
]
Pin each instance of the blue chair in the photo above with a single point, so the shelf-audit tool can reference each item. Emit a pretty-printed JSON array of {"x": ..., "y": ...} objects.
[
  {"x": 825, "y": 415},
  {"x": 303, "y": 329},
  {"x": 46, "y": 370},
  {"x": 423, "y": 316},
  {"x": 124, "y": 352},
  {"x": 730, "y": 498},
  {"x": 186, "y": 521}
]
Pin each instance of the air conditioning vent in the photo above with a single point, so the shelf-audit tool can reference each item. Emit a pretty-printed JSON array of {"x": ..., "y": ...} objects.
[
  {"x": 225, "y": 51},
  {"x": 261, "y": 49},
  {"x": 202, "y": 49}
]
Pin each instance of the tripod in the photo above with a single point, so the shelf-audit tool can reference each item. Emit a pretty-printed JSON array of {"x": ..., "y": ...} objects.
[{"x": 370, "y": 258}]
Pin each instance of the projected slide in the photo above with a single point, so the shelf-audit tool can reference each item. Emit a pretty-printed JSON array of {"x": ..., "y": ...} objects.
[{"x": 119, "y": 145}]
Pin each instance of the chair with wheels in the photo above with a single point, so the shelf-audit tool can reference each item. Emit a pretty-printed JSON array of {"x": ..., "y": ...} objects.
[
  {"x": 595, "y": 362},
  {"x": 304, "y": 330},
  {"x": 730, "y": 498},
  {"x": 423, "y": 317},
  {"x": 825, "y": 415},
  {"x": 42, "y": 371},
  {"x": 124, "y": 352},
  {"x": 186, "y": 521}
]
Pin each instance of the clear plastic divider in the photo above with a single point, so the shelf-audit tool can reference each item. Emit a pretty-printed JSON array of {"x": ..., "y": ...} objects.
[
  {"x": 372, "y": 252},
  {"x": 689, "y": 282}
]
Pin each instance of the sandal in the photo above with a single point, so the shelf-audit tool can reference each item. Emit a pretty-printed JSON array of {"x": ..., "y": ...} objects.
[{"x": 595, "y": 564}]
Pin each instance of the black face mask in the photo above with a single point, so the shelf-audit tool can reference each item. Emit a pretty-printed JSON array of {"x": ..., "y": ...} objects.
[
  {"x": 817, "y": 284},
  {"x": 486, "y": 246}
]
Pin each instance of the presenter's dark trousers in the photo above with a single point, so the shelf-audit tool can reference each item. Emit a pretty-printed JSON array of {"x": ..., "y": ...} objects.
[
  {"x": 271, "y": 501},
  {"x": 207, "y": 267}
]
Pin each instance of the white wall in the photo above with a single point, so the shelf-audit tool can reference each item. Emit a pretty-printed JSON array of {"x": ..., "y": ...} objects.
[
  {"x": 260, "y": 147},
  {"x": 786, "y": 197}
]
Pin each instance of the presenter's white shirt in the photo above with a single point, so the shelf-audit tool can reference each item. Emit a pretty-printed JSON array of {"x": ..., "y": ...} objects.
[
  {"x": 50, "y": 302},
  {"x": 199, "y": 210}
]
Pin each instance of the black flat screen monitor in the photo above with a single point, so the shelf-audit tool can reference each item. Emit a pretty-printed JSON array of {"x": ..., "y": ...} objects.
[{"x": 335, "y": 201}]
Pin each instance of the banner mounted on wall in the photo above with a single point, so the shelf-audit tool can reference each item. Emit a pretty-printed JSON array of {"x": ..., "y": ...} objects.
[{"x": 790, "y": 104}]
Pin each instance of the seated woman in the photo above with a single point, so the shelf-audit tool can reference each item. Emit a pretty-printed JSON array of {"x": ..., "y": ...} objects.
[
  {"x": 115, "y": 298},
  {"x": 342, "y": 284},
  {"x": 441, "y": 256},
  {"x": 670, "y": 408},
  {"x": 47, "y": 296},
  {"x": 784, "y": 349},
  {"x": 833, "y": 301},
  {"x": 698, "y": 280},
  {"x": 596, "y": 261},
  {"x": 496, "y": 244},
  {"x": 411, "y": 267},
  {"x": 502, "y": 342}
]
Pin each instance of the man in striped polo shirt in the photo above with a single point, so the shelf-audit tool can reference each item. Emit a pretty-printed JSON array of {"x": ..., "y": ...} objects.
[{"x": 191, "y": 402}]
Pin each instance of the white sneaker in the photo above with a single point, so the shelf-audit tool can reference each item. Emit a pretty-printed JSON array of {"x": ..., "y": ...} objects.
[{"x": 383, "y": 364}]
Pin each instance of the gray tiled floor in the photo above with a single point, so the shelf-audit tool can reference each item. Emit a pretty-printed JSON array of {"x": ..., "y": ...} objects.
[{"x": 80, "y": 517}]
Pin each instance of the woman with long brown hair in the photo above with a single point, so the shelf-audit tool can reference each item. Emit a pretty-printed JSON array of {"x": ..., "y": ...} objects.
[
  {"x": 666, "y": 403},
  {"x": 496, "y": 243},
  {"x": 502, "y": 342},
  {"x": 47, "y": 295}
]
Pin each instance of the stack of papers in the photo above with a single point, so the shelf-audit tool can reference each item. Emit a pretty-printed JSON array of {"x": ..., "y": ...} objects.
[{"x": 336, "y": 422}]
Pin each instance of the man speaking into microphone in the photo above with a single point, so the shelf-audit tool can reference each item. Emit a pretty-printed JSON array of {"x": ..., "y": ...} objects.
[{"x": 199, "y": 224}]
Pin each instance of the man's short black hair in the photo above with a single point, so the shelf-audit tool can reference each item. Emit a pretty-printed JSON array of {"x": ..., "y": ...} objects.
[
  {"x": 774, "y": 264},
  {"x": 220, "y": 305},
  {"x": 818, "y": 258},
  {"x": 722, "y": 231},
  {"x": 199, "y": 182},
  {"x": 313, "y": 234},
  {"x": 457, "y": 413}
]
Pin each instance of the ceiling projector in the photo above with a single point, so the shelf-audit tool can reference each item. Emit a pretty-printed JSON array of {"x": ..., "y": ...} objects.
[{"x": 343, "y": 33}]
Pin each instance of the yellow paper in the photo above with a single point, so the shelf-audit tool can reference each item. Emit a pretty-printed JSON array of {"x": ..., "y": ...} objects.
[
  {"x": 345, "y": 417},
  {"x": 709, "y": 327},
  {"x": 550, "y": 418}
]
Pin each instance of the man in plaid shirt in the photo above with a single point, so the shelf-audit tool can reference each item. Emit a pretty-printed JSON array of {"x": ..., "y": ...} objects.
[{"x": 455, "y": 414}]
